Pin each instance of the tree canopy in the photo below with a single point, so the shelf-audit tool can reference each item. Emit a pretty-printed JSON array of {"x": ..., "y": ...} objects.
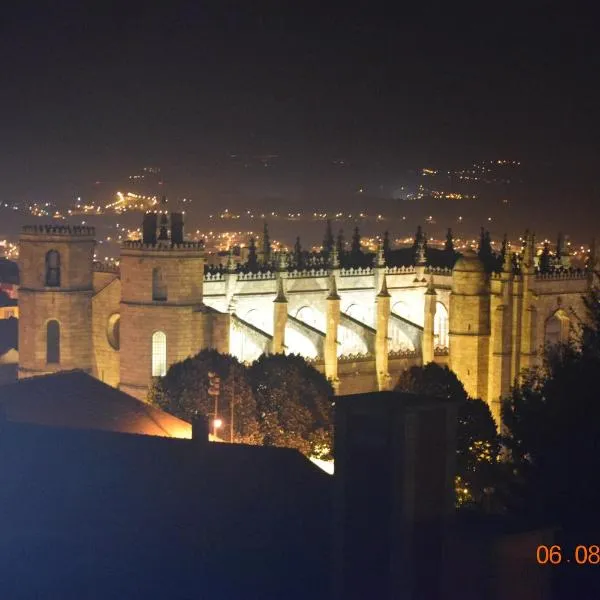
[
  {"x": 280, "y": 400},
  {"x": 552, "y": 421},
  {"x": 183, "y": 392},
  {"x": 293, "y": 404}
]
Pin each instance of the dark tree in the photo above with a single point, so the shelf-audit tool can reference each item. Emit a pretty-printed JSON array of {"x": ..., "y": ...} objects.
[
  {"x": 449, "y": 245},
  {"x": 252, "y": 263},
  {"x": 545, "y": 259},
  {"x": 183, "y": 392},
  {"x": 294, "y": 404},
  {"x": 485, "y": 252},
  {"x": 355, "y": 248},
  {"x": 266, "y": 244},
  {"x": 552, "y": 423},
  {"x": 419, "y": 248},
  {"x": 477, "y": 443},
  {"x": 386, "y": 244},
  {"x": 328, "y": 240},
  {"x": 298, "y": 254},
  {"x": 340, "y": 244}
]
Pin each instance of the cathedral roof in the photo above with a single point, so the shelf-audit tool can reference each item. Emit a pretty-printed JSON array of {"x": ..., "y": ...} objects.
[{"x": 74, "y": 399}]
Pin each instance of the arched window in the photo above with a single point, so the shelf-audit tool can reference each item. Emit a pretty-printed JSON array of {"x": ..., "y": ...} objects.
[
  {"x": 53, "y": 342},
  {"x": 557, "y": 328},
  {"x": 440, "y": 326},
  {"x": 52, "y": 268},
  {"x": 159, "y": 285},
  {"x": 159, "y": 354}
]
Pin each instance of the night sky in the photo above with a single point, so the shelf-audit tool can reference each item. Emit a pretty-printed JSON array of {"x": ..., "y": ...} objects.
[{"x": 93, "y": 93}]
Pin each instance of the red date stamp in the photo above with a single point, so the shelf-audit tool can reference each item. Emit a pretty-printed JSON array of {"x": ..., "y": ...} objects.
[{"x": 556, "y": 555}]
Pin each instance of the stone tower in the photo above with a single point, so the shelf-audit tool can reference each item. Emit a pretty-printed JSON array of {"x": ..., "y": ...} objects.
[
  {"x": 163, "y": 319},
  {"x": 55, "y": 299},
  {"x": 470, "y": 324}
]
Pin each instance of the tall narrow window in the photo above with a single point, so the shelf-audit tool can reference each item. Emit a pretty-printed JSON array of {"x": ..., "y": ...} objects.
[
  {"x": 440, "y": 326},
  {"x": 159, "y": 354},
  {"x": 53, "y": 268},
  {"x": 53, "y": 342},
  {"x": 159, "y": 284}
]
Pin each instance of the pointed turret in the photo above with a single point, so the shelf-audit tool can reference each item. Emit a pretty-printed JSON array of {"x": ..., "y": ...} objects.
[
  {"x": 281, "y": 297},
  {"x": 333, "y": 293},
  {"x": 384, "y": 293}
]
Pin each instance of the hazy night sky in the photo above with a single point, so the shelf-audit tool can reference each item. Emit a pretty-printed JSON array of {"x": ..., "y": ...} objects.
[{"x": 98, "y": 92}]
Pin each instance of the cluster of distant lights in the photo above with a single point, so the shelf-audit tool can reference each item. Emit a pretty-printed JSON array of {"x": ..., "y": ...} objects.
[
  {"x": 227, "y": 214},
  {"x": 9, "y": 249},
  {"x": 131, "y": 201},
  {"x": 480, "y": 172}
]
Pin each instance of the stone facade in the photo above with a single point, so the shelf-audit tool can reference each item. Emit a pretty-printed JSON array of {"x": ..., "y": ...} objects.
[{"x": 360, "y": 326}]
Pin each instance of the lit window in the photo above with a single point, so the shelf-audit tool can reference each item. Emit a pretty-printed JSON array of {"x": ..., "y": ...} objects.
[
  {"x": 53, "y": 342},
  {"x": 53, "y": 269},
  {"x": 159, "y": 354},
  {"x": 440, "y": 326}
]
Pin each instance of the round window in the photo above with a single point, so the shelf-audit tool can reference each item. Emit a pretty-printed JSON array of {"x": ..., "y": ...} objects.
[{"x": 113, "y": 331}]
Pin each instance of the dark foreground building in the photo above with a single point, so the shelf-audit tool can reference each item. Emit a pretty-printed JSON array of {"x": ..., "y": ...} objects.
[{"x": 87, "y": 512}]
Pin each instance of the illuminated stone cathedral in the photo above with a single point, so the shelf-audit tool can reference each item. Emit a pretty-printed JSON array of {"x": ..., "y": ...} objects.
[{"x": 361, "y": 325}]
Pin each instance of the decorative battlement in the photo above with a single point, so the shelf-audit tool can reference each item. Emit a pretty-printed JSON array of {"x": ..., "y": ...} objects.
[
  {"x": 400, "y": 270},
  {"x": 295, "y": 274},
  {"x": 441, "y": 351},
  {"x": 161, "y": 246},
  {"x": 314, "y": 360},
  {"x": 563, "y": 274},
  {"x": 102, "y": 267},
  {"x": 255, "y": 276},
  {"x": 359, "y": 356},
  {"x": 402, "y": 353},
  {"x": 438, "y": 271},
  {"x": 353, "y": 271},
  {"x": 214, "y": 276},
  {"x": 65, "y": 230}
]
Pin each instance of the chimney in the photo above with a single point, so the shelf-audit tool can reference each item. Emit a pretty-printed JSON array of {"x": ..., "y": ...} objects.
[
  {"x": 393, "y": 495},
  {"x": 149, "y": 225},
  {"x": 200, "y": 429},
  {"x": 176, "y": 228}
]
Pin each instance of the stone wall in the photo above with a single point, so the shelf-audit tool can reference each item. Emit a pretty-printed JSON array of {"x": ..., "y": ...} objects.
[{"x": 105, "y": 310}]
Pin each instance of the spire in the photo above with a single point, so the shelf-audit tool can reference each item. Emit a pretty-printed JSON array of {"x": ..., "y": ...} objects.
[
  {"x": 335, "y": 258},
  {"x": 507, "y": 259},
  {"x": 383, "y": 293},
  {"x": 545, "y": 259},
  {"x": 419, "y": 247},
  {"x": 266, "y": 244},
  {"x": 386, "y": 244},
  {"x": 380, "y": 257},
  {"x": 356, "y": 249},
  {"x": 280, "y": 293},
  {"x": 328, "y": 239},
  {"x": 230, "y": 262},
  {"x": 340, "y": 243},
  {"x": 333, "y": 293},
  {"x": 283, "y": 261},
  {"x": 163, "y": 233},
  {"x": 298, "y": 260},
  {"x": 449, "y": 245},
  {"x": 421, "y": 258},
  {"x": 252, "y": 260},
  {"x": 430, "y": 291}
]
